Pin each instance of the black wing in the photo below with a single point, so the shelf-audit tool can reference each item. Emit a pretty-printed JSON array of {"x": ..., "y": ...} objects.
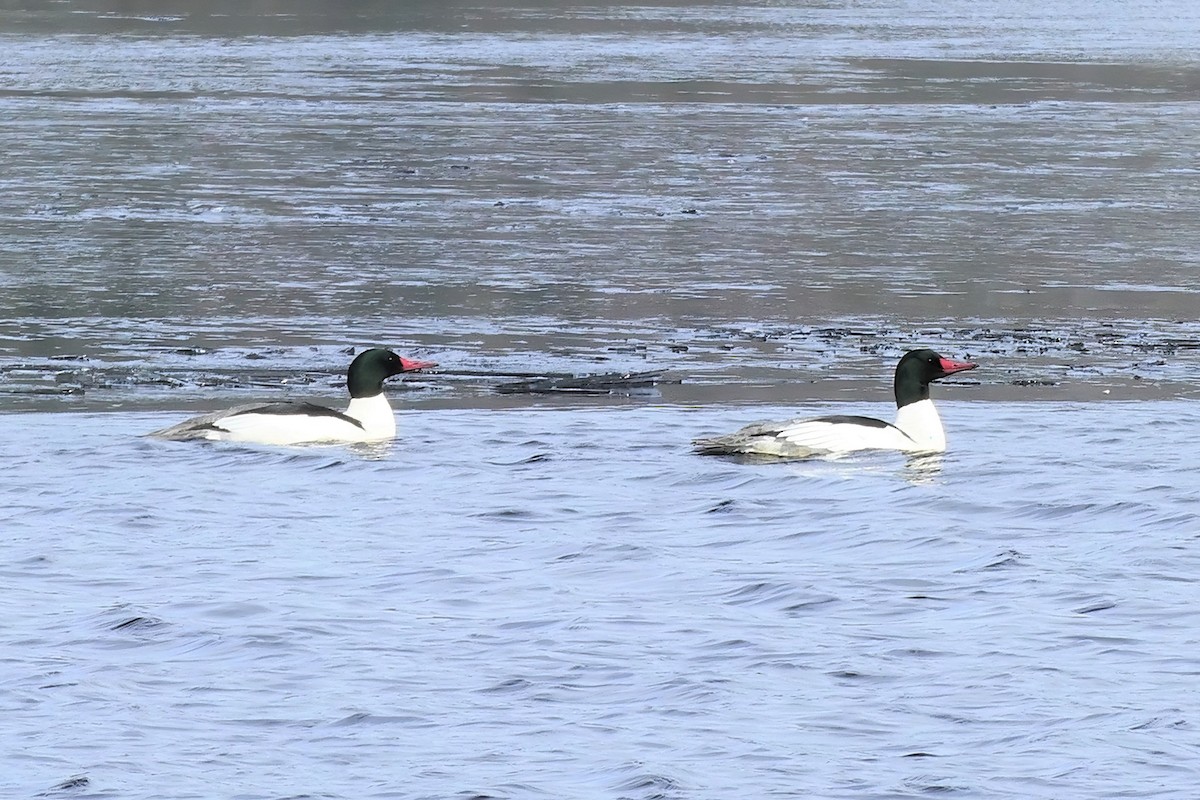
[{"x": 290, "y": 408}]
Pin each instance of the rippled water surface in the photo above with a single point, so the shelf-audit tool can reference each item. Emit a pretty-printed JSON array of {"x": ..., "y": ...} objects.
[
  {"x": 567, "y": 603},
  {"x": 532, "y": 187},
  {"x": 760, "y": 206}
]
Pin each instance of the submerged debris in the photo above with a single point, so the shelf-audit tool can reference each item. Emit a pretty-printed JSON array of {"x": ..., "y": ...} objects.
[
  {"x": 606, "y": 383},
  {"x": 43, "y": 390}
]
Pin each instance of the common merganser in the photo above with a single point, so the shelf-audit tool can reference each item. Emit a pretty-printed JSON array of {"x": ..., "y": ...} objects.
[
  {"x": 368, "y": 418},
  {"x": 918, "y": 428}
]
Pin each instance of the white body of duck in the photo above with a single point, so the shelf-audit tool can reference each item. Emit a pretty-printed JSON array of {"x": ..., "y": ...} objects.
[
  {"x": 368, "y": 418},
  {"x": 917, "y": 429}
]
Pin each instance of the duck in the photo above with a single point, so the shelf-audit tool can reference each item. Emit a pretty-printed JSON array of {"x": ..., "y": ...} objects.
[
  {"x": 917, "y": 429},
  {"x": 368, "y": 418}
]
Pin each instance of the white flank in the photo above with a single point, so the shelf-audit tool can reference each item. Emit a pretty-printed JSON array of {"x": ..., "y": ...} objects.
[
  {"x": 374, "y": 413},
  {"x": 918, "y": 429}
]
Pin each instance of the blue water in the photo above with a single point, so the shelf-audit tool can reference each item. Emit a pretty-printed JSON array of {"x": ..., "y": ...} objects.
[
  {"x": 564, "y": 602},
  {"x": 552, "y": 597}
]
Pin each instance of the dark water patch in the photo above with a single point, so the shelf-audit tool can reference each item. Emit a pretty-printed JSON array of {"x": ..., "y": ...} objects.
[
  {"x": 34, "y": 391},
  {"x": 536, "y": 458},
  {"x": 509, "y": 515},
  {"x": 1128, "y": 509},
  {"x": 528, "y": 624},
  {"x": 1005, "y": 560},
  {"x": 137, "y": 624},
  {"x": 1023, "y": 81},
  {"x": 818, "y": 604},
  {"x": 1099, "y": 605},
  {"x": 511, "y": 685},
  {"x": 782, "y": 595},
  {"x": 643, "y": 783},
  {"x": 334, "y": 464},
  {"x": 932, "y": 785},
  {"x": 364, "y": 718},
  {"x": 70, "y": 786},
  {"x": 606, "y": 552},
  {"x": 1159, "y": 722},
  {"x": 127, "y": 621},
  {"x": 268, "y": 723},
  {"x": 1115, "y": 358}
]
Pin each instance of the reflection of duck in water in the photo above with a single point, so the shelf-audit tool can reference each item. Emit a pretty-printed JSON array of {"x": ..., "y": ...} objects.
[
  {"x": 923, "y": 468},
  {"x": 368, "y": 418},
  {"x": 917, "y": 429}
]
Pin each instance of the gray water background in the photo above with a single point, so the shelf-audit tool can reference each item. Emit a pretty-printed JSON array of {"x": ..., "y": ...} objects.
[{"x": 549, "y": 596}]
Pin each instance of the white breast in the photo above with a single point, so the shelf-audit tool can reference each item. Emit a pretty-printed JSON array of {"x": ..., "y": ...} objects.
[
  {"x": 921, "y": 423},
  {"x": 375, "y": 414}
]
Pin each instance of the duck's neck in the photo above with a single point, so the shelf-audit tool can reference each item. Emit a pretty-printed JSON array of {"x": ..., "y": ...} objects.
[
  {"x": 375, "y": 414},
  {"x": 920, "y": 421}
]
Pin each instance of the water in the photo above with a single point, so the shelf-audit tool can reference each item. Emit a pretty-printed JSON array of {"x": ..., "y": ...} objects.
[
  {"x": 513, "y": 188},
  {"x": 548, "y": 595},
  {"x": 557, "y": 603}
]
